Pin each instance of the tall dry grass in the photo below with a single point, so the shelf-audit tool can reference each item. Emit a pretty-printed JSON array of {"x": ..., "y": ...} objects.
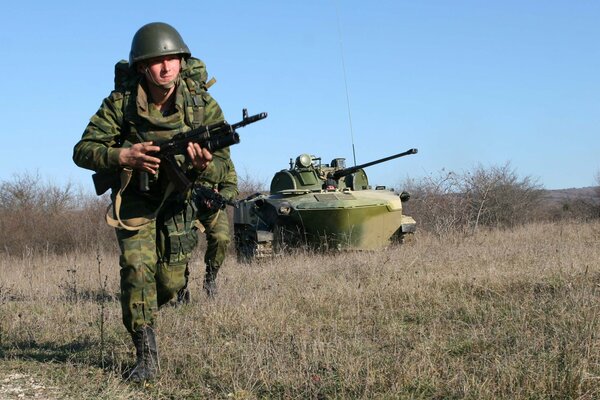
[{"x": 497, "y": 315}]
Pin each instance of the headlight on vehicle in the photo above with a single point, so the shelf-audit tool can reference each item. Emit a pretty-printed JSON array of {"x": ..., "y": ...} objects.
[{"x": 284, "y": 209}]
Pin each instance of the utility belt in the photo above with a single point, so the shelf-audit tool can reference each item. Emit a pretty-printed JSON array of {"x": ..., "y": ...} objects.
[{"x": 113, "y": 214}]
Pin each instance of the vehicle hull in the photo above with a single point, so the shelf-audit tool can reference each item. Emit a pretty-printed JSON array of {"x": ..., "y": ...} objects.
[{"x": 350, "y": 220}]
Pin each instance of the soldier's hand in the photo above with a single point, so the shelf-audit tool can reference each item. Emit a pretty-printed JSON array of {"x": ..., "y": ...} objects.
[
  {"x": 209, "y": 203},
  {"x": 200, "y": 157},
  {"x": 137, "y": 157}
]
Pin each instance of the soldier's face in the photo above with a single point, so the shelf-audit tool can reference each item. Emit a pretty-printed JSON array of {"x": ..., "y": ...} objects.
[{"x": 163, "y": 70}]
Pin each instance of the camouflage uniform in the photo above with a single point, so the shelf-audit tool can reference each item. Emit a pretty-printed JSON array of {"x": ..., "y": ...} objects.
[
  {"x": 216, "y": 224},
  {"x": 154, "y": 258}
]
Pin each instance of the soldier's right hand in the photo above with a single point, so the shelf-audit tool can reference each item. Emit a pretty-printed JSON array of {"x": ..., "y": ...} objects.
[{"x": 137, "y": 157}]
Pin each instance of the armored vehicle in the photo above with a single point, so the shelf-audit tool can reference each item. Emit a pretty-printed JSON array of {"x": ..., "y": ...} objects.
[{"x": 320, "y": 206}]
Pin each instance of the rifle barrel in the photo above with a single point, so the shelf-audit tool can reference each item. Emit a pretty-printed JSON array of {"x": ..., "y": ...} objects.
[{"x": 249, "y": 120}]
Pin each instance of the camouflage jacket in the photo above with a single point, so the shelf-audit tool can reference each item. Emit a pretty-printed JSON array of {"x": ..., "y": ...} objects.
[{"x": 126, "y": 117}]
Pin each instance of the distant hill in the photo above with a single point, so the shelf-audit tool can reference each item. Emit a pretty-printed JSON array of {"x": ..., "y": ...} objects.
[{"x": 589, "y": 195}]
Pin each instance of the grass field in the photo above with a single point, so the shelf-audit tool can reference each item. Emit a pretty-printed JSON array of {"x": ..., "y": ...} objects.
[{"x": 497, "y": 315}]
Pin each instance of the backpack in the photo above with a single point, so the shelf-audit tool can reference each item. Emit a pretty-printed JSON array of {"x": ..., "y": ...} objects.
[{"x": 193, "y": 73}]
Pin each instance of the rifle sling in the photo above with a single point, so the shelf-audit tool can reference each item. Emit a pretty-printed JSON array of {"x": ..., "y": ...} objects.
[{"x": 131, "y": 224}]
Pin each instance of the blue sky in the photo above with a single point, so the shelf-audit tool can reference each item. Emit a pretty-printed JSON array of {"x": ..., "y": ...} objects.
[{"x": 465, "y": 82}]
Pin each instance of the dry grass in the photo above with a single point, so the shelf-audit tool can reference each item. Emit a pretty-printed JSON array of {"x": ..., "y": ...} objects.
[{"x": 497, "y": 315}]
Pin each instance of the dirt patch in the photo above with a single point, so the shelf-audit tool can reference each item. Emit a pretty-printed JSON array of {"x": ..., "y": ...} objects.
[{"x": 23, "y": 386}]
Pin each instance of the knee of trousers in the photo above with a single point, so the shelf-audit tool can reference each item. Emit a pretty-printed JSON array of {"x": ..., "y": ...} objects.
[
  {"x": 216, "y": 249},
  {"x": 136, "y": 275},
  {"x": 218, "y": 238},
  {"x": 171, "y": 278}
]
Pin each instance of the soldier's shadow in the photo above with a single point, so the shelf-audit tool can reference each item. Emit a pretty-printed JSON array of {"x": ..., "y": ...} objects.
[{"x": 82, "y": 352}]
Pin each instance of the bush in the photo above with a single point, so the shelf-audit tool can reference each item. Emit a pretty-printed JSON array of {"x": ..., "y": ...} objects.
[
  {"x": 497, "y": 197},
  {"x": 249, "y": 185},
  {"x": 460, "y": 203},
  {"x": 436, "y": 203},
  {"x": 38, "y": 216}
]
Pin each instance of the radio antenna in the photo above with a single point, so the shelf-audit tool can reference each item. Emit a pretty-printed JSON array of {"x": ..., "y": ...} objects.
[{"x": 337, "y": 12}]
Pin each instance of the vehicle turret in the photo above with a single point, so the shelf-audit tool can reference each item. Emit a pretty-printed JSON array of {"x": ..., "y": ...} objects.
[{"x": 307, "y": 174}]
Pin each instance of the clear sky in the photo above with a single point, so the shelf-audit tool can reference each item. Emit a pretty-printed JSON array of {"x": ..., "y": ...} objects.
[{"x": 467, "y": 82}]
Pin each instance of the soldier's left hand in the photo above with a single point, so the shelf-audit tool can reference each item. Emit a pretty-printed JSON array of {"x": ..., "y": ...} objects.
[{"x": 200, "y": 157}]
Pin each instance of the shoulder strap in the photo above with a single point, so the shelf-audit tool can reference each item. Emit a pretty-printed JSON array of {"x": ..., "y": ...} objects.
[
  {"x": 195, "y": 102},
  {"x": 195, "y": 77},
  {"x": 125, "y": 80}
]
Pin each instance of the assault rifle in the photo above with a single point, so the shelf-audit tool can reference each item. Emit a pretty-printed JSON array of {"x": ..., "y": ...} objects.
[
  {"x": 212, "y": 137},
  {"x": 207, "y": 198}
]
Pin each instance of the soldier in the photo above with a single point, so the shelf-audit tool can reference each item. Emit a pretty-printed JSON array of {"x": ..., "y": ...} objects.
[{"x": 160, "y": 92}]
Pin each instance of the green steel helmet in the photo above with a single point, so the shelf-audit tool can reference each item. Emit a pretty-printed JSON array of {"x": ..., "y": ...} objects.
[{"x": 154, "y": 40}]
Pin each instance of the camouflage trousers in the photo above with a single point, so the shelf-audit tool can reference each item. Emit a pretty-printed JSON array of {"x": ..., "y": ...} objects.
[
  {"x": 153, "y": 263},
  {"x": 217, "y": 240}
]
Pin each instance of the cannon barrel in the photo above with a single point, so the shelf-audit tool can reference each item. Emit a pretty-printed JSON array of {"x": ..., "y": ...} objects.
[{"x": 350, "y": 170}]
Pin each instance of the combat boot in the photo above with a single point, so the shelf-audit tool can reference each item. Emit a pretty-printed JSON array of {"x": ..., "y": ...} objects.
[
  {"x": 210, "y": 287},
  {"x": 183, "y": 296},
  {"x": 146, "y": 352}
]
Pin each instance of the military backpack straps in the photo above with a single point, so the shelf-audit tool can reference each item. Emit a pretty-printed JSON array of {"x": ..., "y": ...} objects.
[{"x": 194, "y": 75}]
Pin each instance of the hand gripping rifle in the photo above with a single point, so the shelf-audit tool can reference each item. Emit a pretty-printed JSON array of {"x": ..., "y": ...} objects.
[
  {"x": 207, "y": 198},
  {"x": 211, "y": 137}
]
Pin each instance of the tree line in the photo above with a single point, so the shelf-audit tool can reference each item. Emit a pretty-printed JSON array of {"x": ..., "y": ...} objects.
[
  {"x": 489, "y": 197},
  {"x": 40, "y": 216}
]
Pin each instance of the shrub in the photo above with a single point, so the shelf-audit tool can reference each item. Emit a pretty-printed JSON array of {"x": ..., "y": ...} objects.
[
  {"x": 460, "y": 203},
  {"x": 41, "y": 216}
]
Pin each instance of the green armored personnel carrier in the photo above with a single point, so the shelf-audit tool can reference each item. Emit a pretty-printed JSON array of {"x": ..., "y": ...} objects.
[{"x": 320, "y": 206}]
